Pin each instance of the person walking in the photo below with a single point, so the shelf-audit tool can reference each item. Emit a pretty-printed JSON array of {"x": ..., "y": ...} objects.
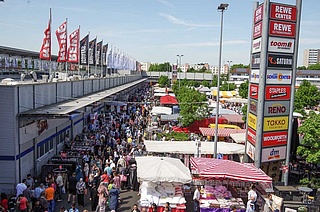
[
  {"x": 196, "y": 199},
  {"x": 73, "y": 208},
  {"x": 81, "y": 190},
  {"x": 113, "y": 198},
  {"x": 21, "y": 187},
  {"x": 72, "y": 187},
  {"x": 28, "y": 194},
  {"x": 60, "y": 185},
  {"x": 49, "y": 194},
  {"x": 22, "y": 203},
  {"x": 103, "y": 196},
  {"x": 94, "y": 196}
]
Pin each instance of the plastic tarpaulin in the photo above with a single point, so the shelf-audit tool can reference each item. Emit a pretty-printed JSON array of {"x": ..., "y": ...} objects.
[{"x": 162, "y": 169}]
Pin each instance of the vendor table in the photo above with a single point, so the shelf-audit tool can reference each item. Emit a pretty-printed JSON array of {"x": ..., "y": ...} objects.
[
  {"x": 286, "y": 188},
  {"x": 219, "y": 210}
]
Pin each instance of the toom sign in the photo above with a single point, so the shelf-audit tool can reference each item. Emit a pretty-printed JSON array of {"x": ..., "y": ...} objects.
[
  {"x": 281, "y": 45},
  {"x": 280, "y": 61},
  {"x": 258, "y": 14},
  {"x": 254, "y": 91},
  {"x": 274, "y": 138},
  {"x": 256, "y": 45},
  {"x": 257, "y": 30},
  {"x": 254, "y": 76},
  {"x": 255, "y": 60},
  {"x": 253, "y": 106},
  {"x": 273, "y": 154},
  {"x": 278, "y": 77},
  {"x": 278, "y": 92},
  {"x": 283, "y": 12},
  {"x": 282, "y": 29},
  {"x": 275, "y": 123},
  {"x": 276, "y": 108},
  {"x": 250, "y": 150},
  {"x": 252, "y": 121},
  {"x": 251, "y": 136}
]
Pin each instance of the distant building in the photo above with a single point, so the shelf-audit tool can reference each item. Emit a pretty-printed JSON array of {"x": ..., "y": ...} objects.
[
  {"x": 145, "y": 66},
  {"x": 311, "y": 56}
]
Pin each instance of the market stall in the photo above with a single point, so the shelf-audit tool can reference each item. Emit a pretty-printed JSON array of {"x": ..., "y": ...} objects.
[
  {"x": 225, "y": 183},
  {"x": 162, "y": 180}
]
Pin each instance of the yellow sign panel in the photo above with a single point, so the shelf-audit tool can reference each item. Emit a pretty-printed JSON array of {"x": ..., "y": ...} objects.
[
  {"x": 275, "y": 123},
  {"x": 252, "y": 122}
]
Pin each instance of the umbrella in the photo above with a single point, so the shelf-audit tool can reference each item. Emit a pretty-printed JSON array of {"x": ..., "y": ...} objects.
[
  {"x": 224, "y": 112},
  {"x": 162, "y": 169}
]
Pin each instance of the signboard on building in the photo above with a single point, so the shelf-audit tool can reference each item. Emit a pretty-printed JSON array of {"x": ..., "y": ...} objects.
[
  {"x": 282, "y": 29},
  {"x": 257, "y": 30},
  {"x": 252, "y": 121},
  {"x": 258, "y": 14},
  {"x": 273, "y": 154},
  {"x": 277, "y": 92},
  {"x": 281, "y": 45},
  {"x": 275, "y": 123},
  {"x": 250, "y": 150},
  {"x": 276, "y": 108},
  {"x": 255, "y": 63},
  {"x": 253, "y": 106},
  {"x": 282, "y": 61},
  {"x": 274, "y": 138},
  {"x": 256, "y": 46},
  {"x": 278, "y": 77},
  {"x": 254, "y": 76},
  {"x": 251, "y": 136},
  {"x": 254, "y": 91},
  {"x": 283, "y": 12}
]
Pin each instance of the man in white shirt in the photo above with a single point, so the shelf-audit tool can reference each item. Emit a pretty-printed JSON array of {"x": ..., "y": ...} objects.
[
  {"x": 252, "y": 195},
  {"x": 196, "y": 199},
  {"x": 21, "y": 187}
]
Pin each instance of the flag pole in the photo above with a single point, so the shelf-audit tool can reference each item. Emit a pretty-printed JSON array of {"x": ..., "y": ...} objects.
[
  {"x": 79, "y": 52},
  {"x": 66, "y": 58},
  {"x": 101, "y": 60},
  {"x": 95, "y": 55},
  {"x": 88, "y": 66},
  {"x": 50, "y": 22}
]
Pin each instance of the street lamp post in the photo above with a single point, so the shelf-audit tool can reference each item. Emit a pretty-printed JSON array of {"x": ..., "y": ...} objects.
[
  {"x": 229, "y": 61},
  {"x": 221, "y": 9},
  {"x": 179, "y": 55}
]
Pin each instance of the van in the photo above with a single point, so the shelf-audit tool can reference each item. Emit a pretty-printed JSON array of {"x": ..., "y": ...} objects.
[{"x": 225, "y": 126}]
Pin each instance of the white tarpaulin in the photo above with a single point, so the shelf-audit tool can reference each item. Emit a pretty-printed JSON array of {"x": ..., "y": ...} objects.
[
  {"x": 161, "y": 110},
  {"x": 239, "y": 138},
  {"x": 189, "y": 147},
  {"x": 162, "y": 169}
]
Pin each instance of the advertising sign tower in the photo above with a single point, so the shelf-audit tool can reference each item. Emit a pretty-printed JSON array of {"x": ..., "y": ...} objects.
[{"x": 272, "y": 81}]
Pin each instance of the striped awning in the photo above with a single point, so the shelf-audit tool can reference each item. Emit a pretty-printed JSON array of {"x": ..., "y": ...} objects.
[
  {"x": 225, "y": 94},
  {"x": 221, "y": 132},
  {"x": 233, "y": 118},
  {"x": 227, "y": 169}
]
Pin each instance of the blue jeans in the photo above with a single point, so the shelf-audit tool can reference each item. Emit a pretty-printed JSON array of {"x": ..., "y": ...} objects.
[
  {"x": 51, "y": 205},
  {"x": 195, "y": 206}
]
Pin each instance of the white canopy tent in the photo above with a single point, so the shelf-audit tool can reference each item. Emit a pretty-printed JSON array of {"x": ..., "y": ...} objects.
[
  {"x": 189, "y": 147},
  {"x": 162, "y": 169},
  {"x": 157, "y": 110},
  {"x": 163, "y": 94},
  {"x": 239, "y": 138}
]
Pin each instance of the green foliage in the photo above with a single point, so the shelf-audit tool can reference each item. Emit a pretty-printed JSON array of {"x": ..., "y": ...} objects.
[
  {"x": 240, "y": 65},
  {"x": 164, "y": 81},
  {"x": 314, "y": 66},
  {"x": 244, "y": 110},
  {"x": 310, "y": 144},
  {"x": 307, "y": 95},
  {"x": 162, "y": 67},
  {"x": 313, "y": 182},
  {"x": 225, "y": 87},
  {"x": 243, "y": 89},
  {"x": 302, "y": 68},
  {"x": 206, "y": 83},
  {"x": 193, "y": 104},
  {"x": 177, "y": 136}
]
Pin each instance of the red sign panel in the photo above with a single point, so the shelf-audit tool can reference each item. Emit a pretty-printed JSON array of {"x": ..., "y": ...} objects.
[
  {"x": 274, "y": 139},
  {"x": 251, "y": 136},
  {"x": 254, "y": 91},
  {"x": 276, "y": 92},
  {"x": 283, "y": 12},
  {"x": 258, "y": 14},
  {"x": 257, "y": 30},
  {"x": 282, "y": 29}
]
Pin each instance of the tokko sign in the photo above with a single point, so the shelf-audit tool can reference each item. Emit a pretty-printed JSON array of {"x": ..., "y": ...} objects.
[
  {"x": 253, "y": 106},
  {"x": 280, "y": 45},
  {"x": 252, "y": 121},
  {"x": 274, "y": 138},
  {"x": 278, "y": 92},
  {"x": 257, "y": 30},
  {"x": 282, "y": 29},
  {"x": 276, "y": 108},
  {"x": 278, "y": 77},
  {"x": 254, "y": 91},
  {"x": 283, "y": 12},
  {"x": 254, "y": 76},
  {"x": 275, "y": 123},
  {"x": 258, "y": 14},
  {"x": 280, "y": 61}
]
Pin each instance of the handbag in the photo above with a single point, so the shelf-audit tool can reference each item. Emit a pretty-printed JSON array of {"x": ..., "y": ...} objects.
[
  {"x": 63, "y": 190},
  {"x": 123, "y": 178}
]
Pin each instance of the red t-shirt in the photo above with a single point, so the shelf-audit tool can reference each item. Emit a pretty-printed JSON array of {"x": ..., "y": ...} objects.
[
  {"x": 4, "y": 204},
  {"x": 23, "y": 203}
]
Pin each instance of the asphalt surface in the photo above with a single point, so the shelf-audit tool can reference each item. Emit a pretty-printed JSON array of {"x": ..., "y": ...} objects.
[{"x": 129, "y": 198}]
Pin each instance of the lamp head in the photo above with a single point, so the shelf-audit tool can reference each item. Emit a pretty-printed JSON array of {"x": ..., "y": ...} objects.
[{"x": 223, "y": 7}]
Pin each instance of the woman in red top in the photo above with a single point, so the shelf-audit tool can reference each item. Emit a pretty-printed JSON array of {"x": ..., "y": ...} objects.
[
  {"x": 4, "y": 202},
  {"x": 22, "y": 203}
]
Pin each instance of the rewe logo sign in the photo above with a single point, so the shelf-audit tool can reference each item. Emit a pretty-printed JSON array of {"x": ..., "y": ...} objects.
[
  {"x": 280, "y": 45},
  {"x": 282, "y": 29},
  {"x": 283, "y": 12}
]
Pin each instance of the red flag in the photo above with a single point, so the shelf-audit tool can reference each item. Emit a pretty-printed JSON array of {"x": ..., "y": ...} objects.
[
  {"x": 73, "y": 50},
  {"x": 45, "y": 51},
  {"x": 61, "y": 34}
]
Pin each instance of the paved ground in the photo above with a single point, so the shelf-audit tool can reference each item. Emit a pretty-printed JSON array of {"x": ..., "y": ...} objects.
[{"x": 129, "y": 198}]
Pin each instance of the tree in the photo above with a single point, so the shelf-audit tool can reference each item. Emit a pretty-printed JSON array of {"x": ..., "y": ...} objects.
[
  {"x": 244, "y": 110},
  {"x": 243, "y": 89},
  {"x": 193, "y": 105},
  {"x": 314, "y": 67},
  {"x": 164, "y": 81},
  {"x": 307, "y": 95},
  {"x": 225, "y": 87},
  {"x": 240, "y": 65},
  {"x": 302, "y": 68},
  {"x": 310, "y": 144},
  {"x": 205, "y": 83}
]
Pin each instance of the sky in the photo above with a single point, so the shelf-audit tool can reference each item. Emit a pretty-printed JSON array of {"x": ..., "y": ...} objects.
[{"x": 150, "y": 30}]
